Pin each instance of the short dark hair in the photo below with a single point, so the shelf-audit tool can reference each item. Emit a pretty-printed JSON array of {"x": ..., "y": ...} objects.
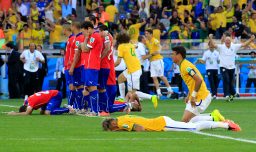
[
  {"x": 122, "y": 38},
  {"x": 106, "y": 124},
  {"x": 41, "y": 47},
  {"x": 103, "y": 27},
  {"x": 76, "y": 24},
  {"x": 149, "y": 31},
  {"x": 10, "y": 45},
  {"x": 25, "y": 25},
  {"x": 86, "y": 25},
  {"x": 140, "y": 38},
  {"x": 93, "y": 19},
  {"x": 180, "y": 50},
  {"x": 23, "y": 108}
]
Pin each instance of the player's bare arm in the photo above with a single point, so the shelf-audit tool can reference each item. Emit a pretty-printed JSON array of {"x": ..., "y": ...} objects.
[
  {"x": 118, "y": 61},
  {"x": 27, "y": 112},
  {"x": 76, "y": 59},
  {"x": 138, "y": 128},
  {"x": 248, "y": 41}
]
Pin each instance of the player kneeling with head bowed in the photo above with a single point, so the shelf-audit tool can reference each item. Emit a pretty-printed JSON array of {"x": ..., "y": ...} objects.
[
  {"x": 162, "y": 123},
  {"x": 49, "y": 102}
]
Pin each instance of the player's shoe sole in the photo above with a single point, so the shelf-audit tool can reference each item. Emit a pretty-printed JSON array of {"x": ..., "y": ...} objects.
[{"x": 233, "y": 126}]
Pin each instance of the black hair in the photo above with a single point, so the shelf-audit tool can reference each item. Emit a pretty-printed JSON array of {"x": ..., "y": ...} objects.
[
  {"x": 103, "y": 27},
  {"x": 10, "y": 45},
  {"x": 180, "y": 50},
  {"x": 86, "y": 25},
  {"x": 122, "y": 38},
  {"x": 40, "y": 46},
  {"x": 93, "y": 19},
  {"x": 140, "y": 38},
  {"x": 23, "y": 108},
  {"x": 149, "y": 31}
]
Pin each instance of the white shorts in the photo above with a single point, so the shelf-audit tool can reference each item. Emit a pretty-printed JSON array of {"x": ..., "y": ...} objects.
[
  {"x": 157, "y": 68},
  {"x": 200, "y": 107},
  {"x": 172, "y": 125},
  {"x": 133, "y": 79}
]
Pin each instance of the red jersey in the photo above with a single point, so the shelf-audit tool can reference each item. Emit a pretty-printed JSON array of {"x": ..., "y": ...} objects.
[
  {"x": 67, "y": 62},
  {"x": 112, "y": 73},
  {"x": 39, "y": 99},
  {"x": 92, "y": 58},
  {"x": 105, "y": 61},
  {"x": 79, "y": 38}
]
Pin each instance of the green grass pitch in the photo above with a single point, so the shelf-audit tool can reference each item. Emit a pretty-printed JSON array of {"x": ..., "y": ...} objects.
[{"x": 66, "y": 133}]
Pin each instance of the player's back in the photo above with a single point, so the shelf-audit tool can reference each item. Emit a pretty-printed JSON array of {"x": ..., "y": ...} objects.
[
  {"x": 127, "y": 52},
  {"x": 39, "y": 99},
  {"x": 93, "y": 57},
  {"x": 187, "y": 70},
  {"x": 105, "y": 61},
  {"x": 154, "y": 124},
  {"x": 68, "y": 51}
]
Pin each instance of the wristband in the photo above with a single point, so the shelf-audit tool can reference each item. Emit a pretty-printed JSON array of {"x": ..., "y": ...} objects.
[{"x": 194, "y": 93}]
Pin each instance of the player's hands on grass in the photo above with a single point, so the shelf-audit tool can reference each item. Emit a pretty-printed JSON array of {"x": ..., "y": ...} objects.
[
  {"x": 11, "y": 113},
  {"x": 193, "y": 101}
]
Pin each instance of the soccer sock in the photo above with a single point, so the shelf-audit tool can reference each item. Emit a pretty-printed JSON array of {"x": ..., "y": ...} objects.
[
  {"x": 94, "y": 98},
  {"x": 86, "y": 102},
  {"x": 158, "y": 91},
  {"x": 103, "y": 101},
  {"x": 72, "y": 98},
  {"x": 117, "y": 107},
  {"x": 169, "y": 89},
  {"x": 79, "y": 98},
  {"x": 201, "y": 118},
  {"x": 122, "y": 90},
  {"x": 209, "y": 125},
  {"x": 59, "y": 111},
  {"x": 143, "y": 95}
]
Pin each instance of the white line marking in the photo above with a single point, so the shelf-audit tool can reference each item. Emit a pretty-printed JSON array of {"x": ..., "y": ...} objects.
[
  {"x": 225, "y": 137},
  {"x": 3, "y": 105}
]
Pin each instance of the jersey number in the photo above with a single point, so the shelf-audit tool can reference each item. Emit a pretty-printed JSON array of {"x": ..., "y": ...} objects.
[
  {"x": 42, "y": 92},
  {"x": 132, "y": 52}
]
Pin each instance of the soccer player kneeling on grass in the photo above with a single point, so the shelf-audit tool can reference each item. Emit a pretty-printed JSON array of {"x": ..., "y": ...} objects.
[
  {"x": 162, "y": 123},
  {"x": 49, "y": 102}
]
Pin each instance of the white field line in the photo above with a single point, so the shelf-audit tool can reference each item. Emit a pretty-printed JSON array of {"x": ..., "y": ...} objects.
[
  {"x": 4, "y": 105},
  {"x": 226, "y": 137}
]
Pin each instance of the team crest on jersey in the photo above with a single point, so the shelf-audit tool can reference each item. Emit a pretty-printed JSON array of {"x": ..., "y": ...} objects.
[
  {"x": 92, "y": 40},
  {"x": 125, "y": 126},
  {"x": 106, "y": 37},
  {"x": 77, "y": 43}
]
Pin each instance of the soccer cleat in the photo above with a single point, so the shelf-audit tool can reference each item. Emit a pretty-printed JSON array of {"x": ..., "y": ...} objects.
[
  {"x": 230, "y": 98},
  {"x": 169, "y": 94},
  {"x": 233, "y": 126},
  {"x": 104, "y": 114},
  {"x": 217, "y": 116},
  {"x": 154, "y": 101},
  {"x": 120, "y": 99}
]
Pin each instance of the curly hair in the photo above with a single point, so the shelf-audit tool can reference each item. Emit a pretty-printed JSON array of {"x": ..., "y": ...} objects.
[
  {"x": 122, "y": 38},
  {"x": 107, "y": 123}
]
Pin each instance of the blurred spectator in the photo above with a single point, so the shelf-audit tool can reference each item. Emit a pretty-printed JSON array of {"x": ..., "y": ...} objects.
[
  {"x": 143, "y": 12},
  {"x": 112, "y": 11},
  {"x": 164, "y": 33},
  {"x": 31, "y": 59},
  {"x": 27, "y": 3},
  {"x": 22, "y": 8},
  {"x": 42, "y": 69},
  {"x": 49, "y": 12},
  {"x": 57, "y": 9},
  {"x": 25, "y": 36},
  {"x": 66, "y": 8},
  {"x": 252, "y": 74},
  {"x": 34, "y": 13},
  {"x": 103, "y": 16},
  {"x": 38, "y": 35},
  {"x": 13, "y": 64},
  {"x": 134, "y": 29},
  {"x": 61, "y": 81},
  {"x": 41, "y": 5},
  {"x": 55, "y": 31},
  {"x": 252, "y": 23},
  {"x": 11, "y": 34}
]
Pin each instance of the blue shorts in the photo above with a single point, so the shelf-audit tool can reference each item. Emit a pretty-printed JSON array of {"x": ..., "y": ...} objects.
[
  {"x": 103, "y": 78},
  {"x": 77, "y": 76},
  {"x": 68, "y": 78},
  {"x": 54, "y": 102},
  {"x": 90, "y": 77},
  {"x": 111, "y": 91}
]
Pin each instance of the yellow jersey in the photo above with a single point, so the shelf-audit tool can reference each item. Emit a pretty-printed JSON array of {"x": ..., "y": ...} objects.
[
  {"x": 153, "y": 46},
  {"x": 154, "y": 124},
  {"x": 111, "y": 10},
  {"x": 26, "y": 36},
  {"x": 157, "y": 34},
  {"x": 221, "y": 19},
  {"x": 252, "y": 25},
  {"x": 38, "y": 36},
  {"x": 134, "y": 32},
  {"x": 11, "y": 35},
  {"x": 55, "y": 35},
  {"x": 127, "y": 52},
  {"x": 187, "y": 70},
  {"x": 35, "y": 14},
  {"x": 213, "y": 21}
]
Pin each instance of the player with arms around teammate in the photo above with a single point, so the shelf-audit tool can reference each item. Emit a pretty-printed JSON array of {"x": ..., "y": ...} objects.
[
  {"x": 76, "y": 67},
  {"x": 162, "y": 123},
  {"x": 132, "y": 74},
  {"x": 49, "y": 101},
  {"x": 92, "y": 46},
  {"x": 199, "y": 98}
]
